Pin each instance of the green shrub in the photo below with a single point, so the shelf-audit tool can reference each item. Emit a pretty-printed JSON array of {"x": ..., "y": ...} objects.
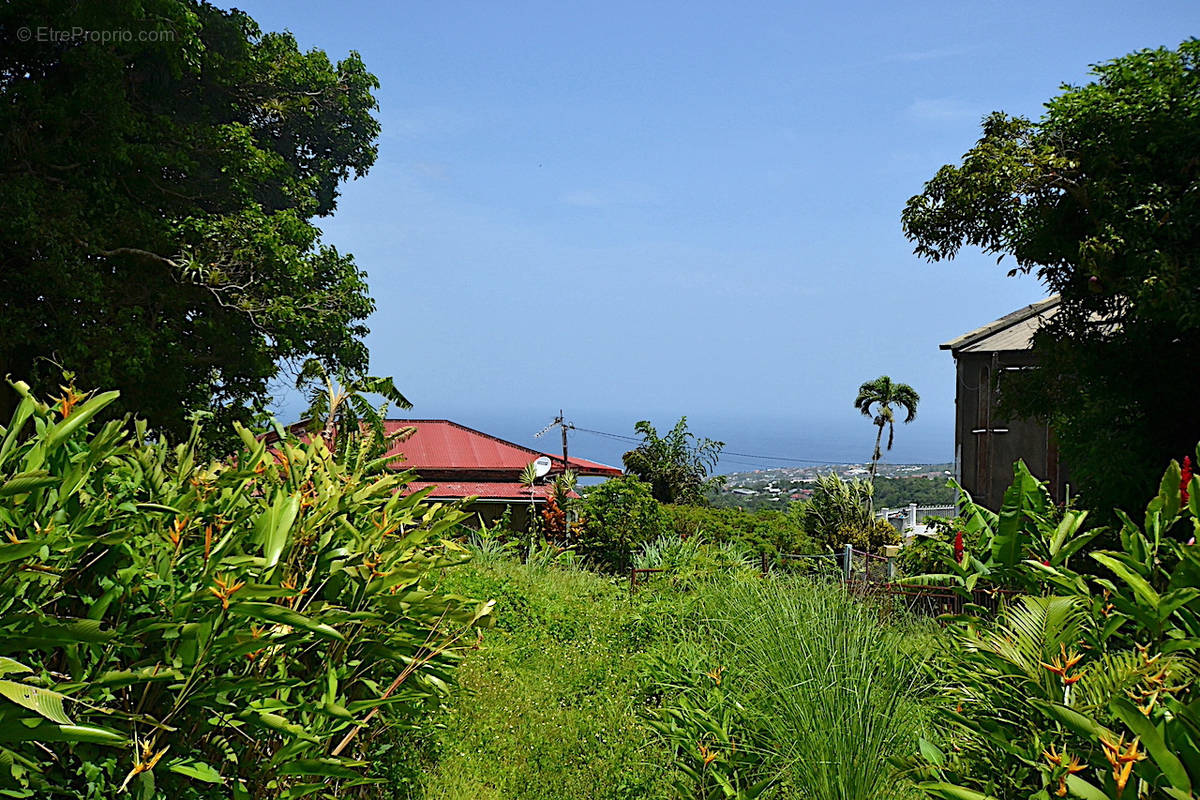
[
  {"x": 620, "y": 515},
  {"x": 1087, "y": 685},
  {"x": 839, "y": 513},
  {"x": 213, "y": 629},
  {"x": 926, "y": 553},
  {"x": 685, "y": 563},
  {"x": 771, "y": 532}
]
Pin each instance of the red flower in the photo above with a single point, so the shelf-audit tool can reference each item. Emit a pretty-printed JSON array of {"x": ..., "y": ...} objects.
[
  {"x": 1046, "y": 562},
  {"x": 1185, "y": 477},
  {"x": 958, "y": 547}
]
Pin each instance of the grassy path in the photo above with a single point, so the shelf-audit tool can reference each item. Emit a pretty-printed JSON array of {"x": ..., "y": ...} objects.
[{"x": 548, "y": 707}]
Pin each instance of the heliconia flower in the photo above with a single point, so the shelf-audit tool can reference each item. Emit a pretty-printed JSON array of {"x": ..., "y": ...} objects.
[
  {"x": 1185, "y": 478},
  {"x": 958, "y": 547}
]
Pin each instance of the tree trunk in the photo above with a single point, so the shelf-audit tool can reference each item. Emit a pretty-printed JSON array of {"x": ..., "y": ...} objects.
[
  {"x": 876, "y": 454},
  {"x": 874, "y": 465}
]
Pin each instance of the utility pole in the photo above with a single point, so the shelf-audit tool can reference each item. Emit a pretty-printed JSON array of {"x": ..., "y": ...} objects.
[{"x": 562, "y": 423}]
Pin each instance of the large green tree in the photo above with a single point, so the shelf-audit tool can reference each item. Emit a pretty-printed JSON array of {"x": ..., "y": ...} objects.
[
  {"x": 676, "y": 465},
  {"x": 1101, "y": 198},
  {"x": 162, "y": 163}
]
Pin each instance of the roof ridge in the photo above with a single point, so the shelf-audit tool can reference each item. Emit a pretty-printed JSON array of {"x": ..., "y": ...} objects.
[{"x": 1007, "y": 321}]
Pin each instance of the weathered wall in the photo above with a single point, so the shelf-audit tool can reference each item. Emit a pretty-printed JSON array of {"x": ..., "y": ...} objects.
[{"x": 987, "y": 442}]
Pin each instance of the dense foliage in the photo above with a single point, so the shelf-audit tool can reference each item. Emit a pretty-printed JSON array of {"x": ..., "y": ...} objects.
[
  {"x": 156, "y": 224},
  {"x": 212, "y": 630},
  {"x": 824, "y": 693},
  {"x": 839, "y": 513},
  {"x": 619, "y": 516},
  {"x": 1101, "y": 196},
  {"x": 676, "y": 465},
  {"x": 1086, "y": 685},
  {"x": 761, "y": 531},
  {"x": 899, "y": 492}
]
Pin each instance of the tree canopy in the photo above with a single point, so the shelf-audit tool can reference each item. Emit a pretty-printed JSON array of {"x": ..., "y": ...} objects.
[
  {"x": 160, "y": 188},
  {"x": 1100, "y": 198},
  {"x": 676, "y": 465}
]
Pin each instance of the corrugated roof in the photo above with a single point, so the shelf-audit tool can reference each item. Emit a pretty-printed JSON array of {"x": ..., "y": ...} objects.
[
  {"x": 442, "y": 445},
  {"x": 1011, "y": 332}
]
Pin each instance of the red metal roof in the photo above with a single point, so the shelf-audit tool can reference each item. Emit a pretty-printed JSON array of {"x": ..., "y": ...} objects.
[{"x": 442, "y": 445}]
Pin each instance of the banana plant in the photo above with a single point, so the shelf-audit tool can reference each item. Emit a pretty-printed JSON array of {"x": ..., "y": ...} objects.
[{"x": 1028, "y": 529}]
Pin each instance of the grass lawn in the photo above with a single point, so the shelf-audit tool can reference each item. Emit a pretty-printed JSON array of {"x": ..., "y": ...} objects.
[{"x": 548, "y": 706}]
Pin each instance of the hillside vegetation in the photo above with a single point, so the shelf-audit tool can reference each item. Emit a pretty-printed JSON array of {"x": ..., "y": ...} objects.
[{"x": 684, "y": 689}]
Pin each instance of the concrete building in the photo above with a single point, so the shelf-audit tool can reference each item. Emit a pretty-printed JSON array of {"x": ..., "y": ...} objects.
[{"x": 986, "y": 443}]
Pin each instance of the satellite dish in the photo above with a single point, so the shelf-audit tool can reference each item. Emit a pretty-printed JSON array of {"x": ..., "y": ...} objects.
[{"x": 542, "y": 465}]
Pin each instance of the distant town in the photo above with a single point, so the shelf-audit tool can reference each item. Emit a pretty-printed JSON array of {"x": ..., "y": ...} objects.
[{"x": 896, "y": 485}]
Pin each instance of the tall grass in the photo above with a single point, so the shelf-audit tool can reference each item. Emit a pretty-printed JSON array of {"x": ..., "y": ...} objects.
[{"x": 835, "y": 688}]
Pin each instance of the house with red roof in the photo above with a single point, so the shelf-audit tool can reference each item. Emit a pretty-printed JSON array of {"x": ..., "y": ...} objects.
[{"x": 459, "y": 462}]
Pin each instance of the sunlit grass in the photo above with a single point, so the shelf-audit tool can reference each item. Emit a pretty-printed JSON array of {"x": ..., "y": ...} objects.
[{"x": 836, "y": 688}]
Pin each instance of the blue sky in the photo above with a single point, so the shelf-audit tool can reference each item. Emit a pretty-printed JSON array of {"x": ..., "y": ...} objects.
[{"x": 633, "y": 210}]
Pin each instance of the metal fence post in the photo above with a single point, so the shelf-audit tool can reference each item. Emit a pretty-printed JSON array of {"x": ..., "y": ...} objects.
[
  {"x": 847, "y": 561},
  {"x": 764, "y": 562}
]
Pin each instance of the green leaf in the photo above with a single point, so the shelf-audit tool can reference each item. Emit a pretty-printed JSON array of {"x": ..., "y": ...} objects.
[
  {"x": 43, "y": 701},
  {"x": 38, "y": 730},
  {"x": 1022, "y": 498},
  {"x": 9, "y": 666},
  {"x": 930, "y": 752},
  {"x": 1168, "y": 490},
  {"x": 279, "y": 723},
  {"x": 27, "y": 631},
  {"x": 117, "y": 678},
  {"x": 159, "y": 507},
  {"x": 1081, "y": 788},
  {"x": 191, "y": 768},
  {"x": 269, "y": 612},
  {"x": 25, "y": 482},
  {"x": 951, "y": 792},
  {"x": 1175, "y": 645},
  {"x": 272, "y": 527},
  {"x": 1136, "y": 582},
  {"x": 1152, "y": 740},
  {"x": 1070, "y": 718},
  {"x": 17, "y": 551},
  {"x": 79, "y": 418}
]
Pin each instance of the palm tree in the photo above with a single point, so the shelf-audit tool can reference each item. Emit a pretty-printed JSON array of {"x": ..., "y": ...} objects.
[
  {"x": 882, "y": 394},
  {"x": 339, "y": 411}
]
